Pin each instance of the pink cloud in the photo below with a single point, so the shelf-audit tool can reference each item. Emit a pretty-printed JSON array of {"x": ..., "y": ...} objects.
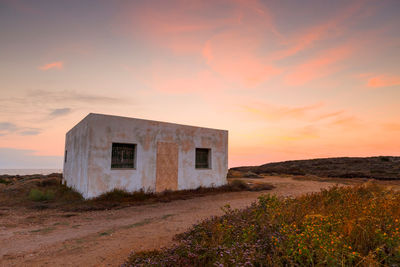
[
  {"x": 176, "y": 78},
  {"x": 320, "y": 66},
  {"x": 303, "y": 41},
  {"x": 53, "y": 65},
  {"x": 383, "y": 81},
  {"x": 207, "y": 52},
  {"x": 200, "y": 82},
  {"x": 236, "y": 53},
  {"x": 180, "y": 26},
  {"x": 233, "y": 56},
  {"x": 328, "y": 29},
  {"x": 227, "y": 34}
]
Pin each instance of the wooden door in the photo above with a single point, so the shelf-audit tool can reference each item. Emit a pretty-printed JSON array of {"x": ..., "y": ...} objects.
[{"x": 167, "y": 166}]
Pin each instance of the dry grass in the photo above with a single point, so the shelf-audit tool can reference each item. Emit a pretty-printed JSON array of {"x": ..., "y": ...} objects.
[
  {"x": 383, "y": 168},
  {"x": 346, "y": 181},
  {"x": 44, "y": 192},
  {"x": 342, "y": 226}
]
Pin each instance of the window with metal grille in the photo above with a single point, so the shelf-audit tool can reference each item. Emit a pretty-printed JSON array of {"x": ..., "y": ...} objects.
[
  {"x": 203, "y": 158},
  {"x": 123, "y": 156}
]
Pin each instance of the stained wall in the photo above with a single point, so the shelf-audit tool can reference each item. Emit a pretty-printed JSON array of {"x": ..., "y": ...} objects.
[
  {"x": 103, "y": 130},
  {"x": 76, "y": 159}
]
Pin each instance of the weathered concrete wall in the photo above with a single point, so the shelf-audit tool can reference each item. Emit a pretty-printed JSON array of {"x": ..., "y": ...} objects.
[
  {"x": 103, "y": 130},
  {"x": 76, "y": 161}
]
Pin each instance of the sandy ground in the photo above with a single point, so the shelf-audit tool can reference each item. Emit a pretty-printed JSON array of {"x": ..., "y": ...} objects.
[{"x": 106, "y": 238}]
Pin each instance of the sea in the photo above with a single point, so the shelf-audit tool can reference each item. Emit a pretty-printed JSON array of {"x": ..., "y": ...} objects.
[{"x": 29, "y": 171}]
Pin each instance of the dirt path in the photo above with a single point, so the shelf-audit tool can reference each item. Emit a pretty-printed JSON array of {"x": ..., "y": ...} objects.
[{"x": 106, "y": 238}]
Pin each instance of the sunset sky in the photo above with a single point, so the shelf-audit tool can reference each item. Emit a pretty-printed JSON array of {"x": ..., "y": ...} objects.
[{"x": 288, "y": 79}]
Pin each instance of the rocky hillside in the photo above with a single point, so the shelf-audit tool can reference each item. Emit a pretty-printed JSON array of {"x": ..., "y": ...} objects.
[{"x": 383, "y": 167}]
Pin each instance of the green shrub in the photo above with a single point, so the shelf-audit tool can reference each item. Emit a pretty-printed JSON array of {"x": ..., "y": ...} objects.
[
  {"x": 4, "y": 181},
  {"x": 38, "y": 195}
]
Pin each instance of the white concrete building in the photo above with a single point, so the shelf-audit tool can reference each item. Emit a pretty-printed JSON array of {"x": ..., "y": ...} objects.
[{"x": 104, "y": 152}]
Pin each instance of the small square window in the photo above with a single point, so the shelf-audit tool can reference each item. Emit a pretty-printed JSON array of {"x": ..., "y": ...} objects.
[
  {"x": 203, "y": 158},
  {"x": 123, "y": 156}
]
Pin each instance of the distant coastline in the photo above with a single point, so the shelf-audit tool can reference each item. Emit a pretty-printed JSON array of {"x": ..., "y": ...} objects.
[{"x": 29, "y": 171}]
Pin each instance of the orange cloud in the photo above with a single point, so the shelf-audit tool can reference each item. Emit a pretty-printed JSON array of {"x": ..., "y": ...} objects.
[
  {"x": 383, "y": 81},
  {"x": 53, "y": 65},
  {"x": 318, "y": 67},
  {"x": 271, "y": 112},
  {"x": 308, "y": 132},
  {"x": 329, "y": 115},
  {"x": 348, "y": 122},
  {"x": 314, "y": 114},
  {"x": 392, "y": 127}
]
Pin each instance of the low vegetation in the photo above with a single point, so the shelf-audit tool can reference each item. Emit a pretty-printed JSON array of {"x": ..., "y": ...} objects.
[
  {"x": 341, "y": 226},
  {"x": 242, "y": 174},
  {"x": 39, "y": 195},
  {"x": 383, "y": 168},
  {"x": 43, "y": 192},
  {"x": 4, "y": 181}
]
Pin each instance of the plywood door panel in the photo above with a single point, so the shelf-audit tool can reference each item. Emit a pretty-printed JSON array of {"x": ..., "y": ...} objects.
[{"x": 167, "y": 166}]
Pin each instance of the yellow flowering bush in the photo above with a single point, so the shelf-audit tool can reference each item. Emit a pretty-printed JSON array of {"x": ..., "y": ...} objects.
[{"x": 341, "y": 226}]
